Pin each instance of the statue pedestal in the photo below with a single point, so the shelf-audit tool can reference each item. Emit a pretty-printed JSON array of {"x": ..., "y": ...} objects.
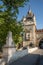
[{"x": 9, "y": 47}]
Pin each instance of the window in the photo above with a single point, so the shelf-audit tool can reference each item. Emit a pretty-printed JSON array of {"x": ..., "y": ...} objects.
[{"x": 27, "y": 36}]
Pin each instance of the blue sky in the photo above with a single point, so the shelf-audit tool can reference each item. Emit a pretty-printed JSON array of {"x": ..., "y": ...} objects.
[{"x": 37, "y": 9}]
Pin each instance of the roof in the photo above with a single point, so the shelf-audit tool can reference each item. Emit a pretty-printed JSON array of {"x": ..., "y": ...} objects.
[
  {"x": 39, "y": 31},
  {"x": 30, "y": 15}
]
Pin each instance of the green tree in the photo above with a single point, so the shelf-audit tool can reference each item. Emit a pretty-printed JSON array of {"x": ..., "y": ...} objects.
[{"x": 8, "y": 19}]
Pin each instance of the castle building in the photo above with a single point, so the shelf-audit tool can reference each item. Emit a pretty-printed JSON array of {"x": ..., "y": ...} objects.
[{"x": 30, "y": 33}]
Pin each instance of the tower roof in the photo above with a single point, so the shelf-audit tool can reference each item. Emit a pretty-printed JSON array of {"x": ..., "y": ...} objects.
[{"x": 30, "y": 14}]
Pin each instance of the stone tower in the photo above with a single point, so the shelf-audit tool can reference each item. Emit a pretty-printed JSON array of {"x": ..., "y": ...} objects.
[{"x": 29, "y": 32}]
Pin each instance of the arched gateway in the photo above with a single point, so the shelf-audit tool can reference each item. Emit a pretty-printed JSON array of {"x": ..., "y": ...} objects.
[
  {"x": 41, "y": 43},
  {"x": 39, "y": 37}
]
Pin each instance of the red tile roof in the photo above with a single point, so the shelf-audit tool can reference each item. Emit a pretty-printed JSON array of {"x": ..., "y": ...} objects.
[{"x": 39, "y": 31}]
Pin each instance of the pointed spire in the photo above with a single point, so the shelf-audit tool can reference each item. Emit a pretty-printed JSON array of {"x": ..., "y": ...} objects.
[{"x": 30, "y": 14}]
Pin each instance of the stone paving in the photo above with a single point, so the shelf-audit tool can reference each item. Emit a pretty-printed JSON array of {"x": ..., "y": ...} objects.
[{"x": 38, "y": 51}]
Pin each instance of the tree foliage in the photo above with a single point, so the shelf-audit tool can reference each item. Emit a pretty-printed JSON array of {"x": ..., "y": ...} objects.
[{"x": 8, "y": 19}]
